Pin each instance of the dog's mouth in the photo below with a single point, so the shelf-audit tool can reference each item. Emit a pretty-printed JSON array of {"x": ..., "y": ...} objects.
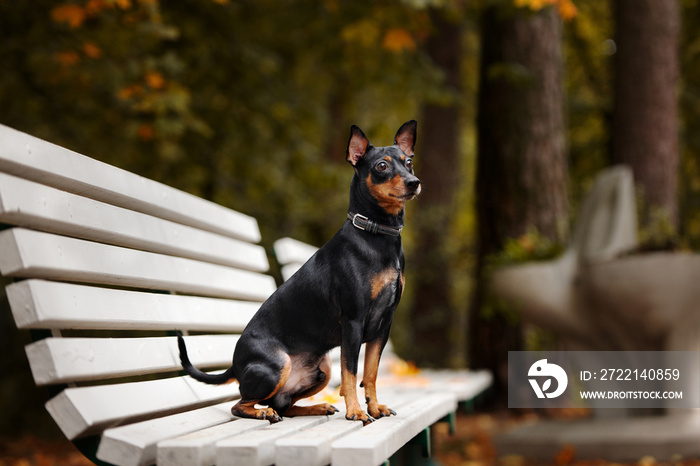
[{"x": 405, "y": 197}]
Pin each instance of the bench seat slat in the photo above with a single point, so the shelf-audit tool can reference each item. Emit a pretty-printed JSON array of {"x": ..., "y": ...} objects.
[
  {"x": 258, "y": 448},
  {"x": 52, "y": 305},
  {"x": 465, "y": 384},
  {"x": 81, "y": 411},
  {"x": 32, "y": 254},
  {"x": 135, "y": 444},
  {"x": 312, "y": 447},
  {"x": 32, "y": 205},
  {"x": 379, "y": 440},
  {"x": 65, "y": 360},
  {"x": 31, "y": 158},
  {"x": 199, "y": 448}
]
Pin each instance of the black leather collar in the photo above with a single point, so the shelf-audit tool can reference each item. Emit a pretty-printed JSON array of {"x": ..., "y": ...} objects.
[{"x": 363, "y": 223}]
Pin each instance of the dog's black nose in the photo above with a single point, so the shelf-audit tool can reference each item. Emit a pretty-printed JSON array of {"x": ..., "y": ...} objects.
[{"x": 413, "y": 184}]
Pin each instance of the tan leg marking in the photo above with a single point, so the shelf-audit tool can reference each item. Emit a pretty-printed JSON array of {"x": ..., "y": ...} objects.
[
  {"x": 369, "y": 380},
  {"x": 348, "y": 390},
  {"x": 321, "y": 409}
]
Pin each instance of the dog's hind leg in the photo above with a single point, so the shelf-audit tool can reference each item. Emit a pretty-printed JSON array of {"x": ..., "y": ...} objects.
[
  {"x": 258, "y": 383},
  {"x": 322, "y": 378}
]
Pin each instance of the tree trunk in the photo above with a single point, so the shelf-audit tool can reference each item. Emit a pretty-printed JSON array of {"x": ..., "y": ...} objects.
[
  {"x": 522, "y": 168},
  {"x": 434, "y": 322},
  {"x": 645, "y": 122}
]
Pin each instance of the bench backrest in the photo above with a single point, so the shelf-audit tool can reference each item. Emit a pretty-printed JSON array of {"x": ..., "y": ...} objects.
[{"x": 109, "y": 263}]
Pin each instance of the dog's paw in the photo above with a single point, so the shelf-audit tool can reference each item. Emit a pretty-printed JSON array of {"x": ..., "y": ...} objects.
[
  {"x": 268, "y": 414},
  {"x": 249, "y": 412},
  {"x": 359, "y": 416},
  {"x": 379, "y": 411}
]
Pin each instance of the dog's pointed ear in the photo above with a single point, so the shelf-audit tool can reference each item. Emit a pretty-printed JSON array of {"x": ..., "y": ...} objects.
[
  {"x": 357, "y": 146},
  {"x": 406, "y": 137}
]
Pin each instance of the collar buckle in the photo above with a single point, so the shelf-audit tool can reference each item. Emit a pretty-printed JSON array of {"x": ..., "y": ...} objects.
[{"x": 356, "y": 224}]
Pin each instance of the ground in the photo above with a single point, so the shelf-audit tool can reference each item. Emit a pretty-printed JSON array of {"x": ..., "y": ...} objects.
[
  {"x": 472, "y": 445},
  {"x": 32, "y": 451}
]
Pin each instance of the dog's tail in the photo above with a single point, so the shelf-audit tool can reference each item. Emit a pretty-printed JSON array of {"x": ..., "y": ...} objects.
[{"x": 213, "y": 379}]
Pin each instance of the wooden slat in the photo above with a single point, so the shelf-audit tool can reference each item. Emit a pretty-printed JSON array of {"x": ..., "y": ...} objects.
[
  {"x": 135, "y": 444},
  {"x": 64, "y": 360},
  {"x": 258, "y": 448},
  {"x": 376, "y": 442},
  {"x": 31, "y": 158},
  {"x": 32, "y": 254},
  {"x": 312, "y": 447},
  {"x": 199, "y": 448},
  {"x": 465, "y": 384},
  {"x": 32, "y": 205},
  {"x": 42, "y": 304},
  {"x": 290, "y": 250},
  {"x": 291, "y": 255},
  {"x": 86, "y": 410}
]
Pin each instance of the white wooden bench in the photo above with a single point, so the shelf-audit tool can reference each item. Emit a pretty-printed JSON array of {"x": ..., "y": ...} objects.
[{"x": 107, "y": 264}]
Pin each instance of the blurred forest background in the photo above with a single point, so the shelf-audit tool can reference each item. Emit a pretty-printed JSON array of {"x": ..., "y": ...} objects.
[{"x": 249, "y": 103}]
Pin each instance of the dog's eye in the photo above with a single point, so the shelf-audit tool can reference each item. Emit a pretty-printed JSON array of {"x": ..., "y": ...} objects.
[
  {"x": 382, "y": 166},
  {"x": 409, "y": 164}
]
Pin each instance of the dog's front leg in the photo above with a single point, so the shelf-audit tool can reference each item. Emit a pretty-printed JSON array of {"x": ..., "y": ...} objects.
[
  {"x": 349, "y": 355},
  {"x": 373, "y": 352}
]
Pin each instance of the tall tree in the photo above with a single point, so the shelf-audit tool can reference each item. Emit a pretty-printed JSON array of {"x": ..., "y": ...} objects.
[
  {"x": 522, "y": 167},
  {"x": 433, "y": 317},
  {"x": 645, "y": 122},
  {"x": 689, "y": 106}
]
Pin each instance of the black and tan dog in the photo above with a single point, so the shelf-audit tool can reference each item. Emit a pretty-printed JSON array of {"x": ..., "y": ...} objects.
[{"x": 345, "y": 295}]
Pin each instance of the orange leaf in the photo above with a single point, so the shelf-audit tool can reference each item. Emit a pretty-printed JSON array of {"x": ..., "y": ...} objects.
[
  {"x": 398, "y": 39},
  {"x": 95, "y": 7},
  {"x": 91, "y": 50},
  {"x": 67, "y": 58},
  {"x": 71, "y": 14},
  {"x": 123, "y": 4},
  {"x": 404, "y": 368},
  {"x": 146, "y": 132},
  {"x": 565, "y": 456},
  {"x": 129, "y": 92},
  {"x": 155, "y": 80},
  {"x": 567, "y": 10}
]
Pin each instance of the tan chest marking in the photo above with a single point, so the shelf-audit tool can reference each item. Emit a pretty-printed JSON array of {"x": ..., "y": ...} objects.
[{"x": 383, "y": 279}]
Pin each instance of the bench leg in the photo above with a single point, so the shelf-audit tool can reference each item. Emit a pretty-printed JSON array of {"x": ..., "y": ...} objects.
[{"x": 423, "y": 441}]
